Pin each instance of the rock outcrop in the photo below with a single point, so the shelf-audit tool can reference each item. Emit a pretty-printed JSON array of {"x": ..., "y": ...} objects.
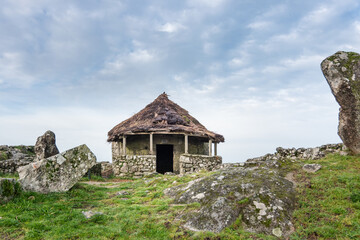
[
  {"x": 258, "y": 191},
  {"x": 13, "y": 157},
  {"x": 342, "y": 72},
  {"x": 45, "y": 146},
  {"x": 9, "y": 188},
  {"x": 57, "y": 173},
  {"x": 259, "y": 195}
]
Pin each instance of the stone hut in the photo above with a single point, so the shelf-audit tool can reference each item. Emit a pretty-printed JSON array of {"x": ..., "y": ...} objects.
[{"x": 163, "y": 137}]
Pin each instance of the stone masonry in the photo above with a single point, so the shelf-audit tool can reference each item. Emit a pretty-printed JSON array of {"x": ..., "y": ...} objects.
[
  {"x": 193, "y": 163},
  {"x": 134, "y": 165}
]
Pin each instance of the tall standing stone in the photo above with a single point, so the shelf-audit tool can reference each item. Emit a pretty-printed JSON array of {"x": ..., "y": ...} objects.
[
  {"x": 342, "y": 72},
  {"x": 45, "y": 146}
]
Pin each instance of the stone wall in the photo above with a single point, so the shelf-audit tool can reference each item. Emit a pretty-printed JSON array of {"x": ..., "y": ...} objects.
[
  {"x": 302, "y": 153},
  {"x": 293, "y": 154},
  {"x": 9, "y": 188},
  {"x": 132, "y": 165},
  {"x": 140, "y": 145},
  {"x": 193, "y": 163},
  {"x": 101, "y": 169},
  {"x": 107, "y": 169},
  {"x": 13, "y": 157}
]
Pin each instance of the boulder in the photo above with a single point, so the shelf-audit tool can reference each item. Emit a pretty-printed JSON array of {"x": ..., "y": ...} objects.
[
  {"x": 262, "y": 199},
  {"x": 311, "y": 168},
  {"x": 45, "y": 146},
  {"x": 57, "y": 173},
  {"x": 342, "y": 72}
]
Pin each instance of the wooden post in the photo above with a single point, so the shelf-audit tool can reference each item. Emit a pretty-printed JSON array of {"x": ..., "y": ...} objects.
[
  {"x": 215, "y": 149},
  {"x": 210, "y": 147},
  {"x": 124, "y": 145},
  {"x": 118, "y": 144},
  {"x": 186, "y": 143},
  {"x": 151, "y": 144}
]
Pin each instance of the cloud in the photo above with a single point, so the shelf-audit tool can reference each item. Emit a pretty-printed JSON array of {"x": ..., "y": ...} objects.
[
  {"x": 303, "y": 62},
  {"x": 249, "y": 70},
  {"x": 141, "y": 56},
  {"x": 72, "y": 126},
  {"x": 12, "y": 71},
  {"x": 259, "y": 25},
  {"x": 205, "y": 3},
  {"x": 171, "y": 27}
]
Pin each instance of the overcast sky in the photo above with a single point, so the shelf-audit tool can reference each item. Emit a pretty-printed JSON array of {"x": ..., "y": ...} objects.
[{"x": 249, "y": 69}]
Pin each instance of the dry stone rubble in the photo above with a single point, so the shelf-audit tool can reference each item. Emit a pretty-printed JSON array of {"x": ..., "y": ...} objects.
[{"x": 13, "y": 157}]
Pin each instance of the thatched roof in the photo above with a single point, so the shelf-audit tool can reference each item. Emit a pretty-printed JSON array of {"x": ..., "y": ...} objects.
[{"x": 162, "y": 116}]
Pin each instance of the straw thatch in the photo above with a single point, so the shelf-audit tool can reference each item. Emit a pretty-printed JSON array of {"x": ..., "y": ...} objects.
[{"x": 162, "y": 116}]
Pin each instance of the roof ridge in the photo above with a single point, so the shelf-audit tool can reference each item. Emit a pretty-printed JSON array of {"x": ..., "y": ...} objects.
[{"x": 162, "y": 115}]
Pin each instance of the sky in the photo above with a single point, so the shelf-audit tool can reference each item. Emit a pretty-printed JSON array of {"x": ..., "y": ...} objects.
[{"x": 249, "y": 69}]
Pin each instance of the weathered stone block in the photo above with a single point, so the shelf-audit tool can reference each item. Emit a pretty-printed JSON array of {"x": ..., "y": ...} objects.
[{"x": 57, "y": 173}]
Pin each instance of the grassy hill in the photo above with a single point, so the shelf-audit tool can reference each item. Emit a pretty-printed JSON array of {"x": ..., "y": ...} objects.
[{"x": 328, "y": 208}]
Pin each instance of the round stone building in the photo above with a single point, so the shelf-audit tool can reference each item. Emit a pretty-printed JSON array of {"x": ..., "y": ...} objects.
[{"x": 163, "y": 137}]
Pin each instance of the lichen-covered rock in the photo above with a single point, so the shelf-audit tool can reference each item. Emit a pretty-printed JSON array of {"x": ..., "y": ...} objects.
[
  {"x": 9, "y": 188},
  {"x": 260, "y": 196},
  {"x": 12, "y": 157},
  {"x": 57, "y": 173},
  {"x": 342, "y": 72},
  {"x": 311, "y": 168},
  {"x": 45, "y": 146}
]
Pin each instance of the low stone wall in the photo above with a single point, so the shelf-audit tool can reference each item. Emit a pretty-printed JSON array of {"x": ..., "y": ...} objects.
[
  {"x": 193, "y": 163},
  {"x": 134, "y": 165},
  {"x": 302, "y": 153},
  {"x": 293, "y": 154},
  {"x": 107, "y": 169},
  {"x": 101, "y": 169},
  {"x": 13, "y": 157},
  {"x": 9, "y": 188}
]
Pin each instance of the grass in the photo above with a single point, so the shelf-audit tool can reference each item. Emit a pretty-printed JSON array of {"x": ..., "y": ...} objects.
[
  {"x": 328, "y": 208},
  {"x": 329, "y": 200}
]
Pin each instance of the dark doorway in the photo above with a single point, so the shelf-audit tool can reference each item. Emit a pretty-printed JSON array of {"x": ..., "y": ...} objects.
[{"x": 164, "y": 158}]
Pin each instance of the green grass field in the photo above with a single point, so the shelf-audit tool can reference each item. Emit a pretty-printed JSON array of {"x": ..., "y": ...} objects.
[{"x": 328, "y": 208}]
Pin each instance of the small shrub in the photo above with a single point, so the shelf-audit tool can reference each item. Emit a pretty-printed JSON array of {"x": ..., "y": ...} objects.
[
  {"x": 244, "y": 201},
  {"x": 17, "y": 189},
  {"x": 3, "y": 156},
  {"x": 355, "y": 196},
  {"x": 7, "y": 188}
]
